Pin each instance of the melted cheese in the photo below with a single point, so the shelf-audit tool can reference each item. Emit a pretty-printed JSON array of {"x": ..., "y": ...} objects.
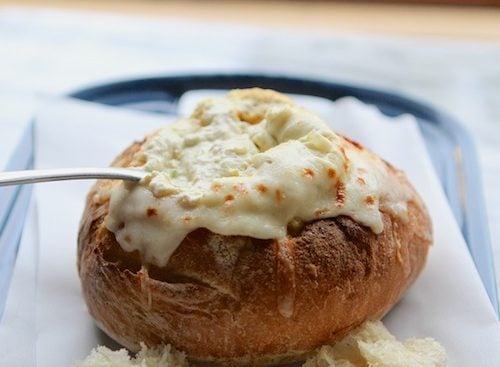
[{"x": 248, "y": 164}]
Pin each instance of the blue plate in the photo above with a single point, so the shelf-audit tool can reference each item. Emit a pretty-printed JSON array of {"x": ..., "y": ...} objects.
[{"x": 449, "y": 145}]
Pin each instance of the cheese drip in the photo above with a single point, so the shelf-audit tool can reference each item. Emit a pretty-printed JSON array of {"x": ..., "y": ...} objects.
[{"x": 248, "y": 164}]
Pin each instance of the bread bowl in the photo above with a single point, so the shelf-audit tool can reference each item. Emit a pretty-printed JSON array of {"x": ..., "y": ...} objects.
[{"x": 269, "y": 253}]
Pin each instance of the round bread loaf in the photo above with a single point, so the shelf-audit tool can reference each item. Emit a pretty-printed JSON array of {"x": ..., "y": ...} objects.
[{"x": 238, "y": 300}]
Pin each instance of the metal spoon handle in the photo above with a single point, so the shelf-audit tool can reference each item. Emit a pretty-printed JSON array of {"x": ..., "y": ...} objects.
[{"x": 61, "y": 174}]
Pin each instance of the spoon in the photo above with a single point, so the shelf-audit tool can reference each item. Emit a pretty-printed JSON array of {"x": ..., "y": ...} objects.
[{"x": 62, "y": 174}]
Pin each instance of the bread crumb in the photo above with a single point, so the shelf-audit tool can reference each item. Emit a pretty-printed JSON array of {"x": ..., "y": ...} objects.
[
  {"x": 369, "y": 345},
  {"x": 164, "y": 356},
  {"x": 373, "y": 345}
]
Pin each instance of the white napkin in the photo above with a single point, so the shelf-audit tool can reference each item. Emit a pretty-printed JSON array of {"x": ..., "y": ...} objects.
[{"x": 448, "y": 302}]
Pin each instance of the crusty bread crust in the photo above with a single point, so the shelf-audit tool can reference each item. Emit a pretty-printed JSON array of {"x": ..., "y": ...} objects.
[{"x": 236, "y": 300}]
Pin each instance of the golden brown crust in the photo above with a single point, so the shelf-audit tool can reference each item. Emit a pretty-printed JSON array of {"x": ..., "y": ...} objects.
[{"x": 238, "y": 300}]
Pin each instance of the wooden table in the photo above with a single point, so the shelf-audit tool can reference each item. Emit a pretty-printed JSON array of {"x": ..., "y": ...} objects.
[{"x": 462, "y": 22}]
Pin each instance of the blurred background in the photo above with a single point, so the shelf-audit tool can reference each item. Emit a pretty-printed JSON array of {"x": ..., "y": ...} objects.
[
  {"x": 445, "y": 53},
  {"x": 464, "y": 19}
]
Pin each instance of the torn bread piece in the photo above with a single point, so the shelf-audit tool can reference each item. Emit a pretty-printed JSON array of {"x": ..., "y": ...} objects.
[
  {"x": 373, "y": 345},
  {"x": 370, "y": 345},
  {"x": 163, "y": 356}
]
